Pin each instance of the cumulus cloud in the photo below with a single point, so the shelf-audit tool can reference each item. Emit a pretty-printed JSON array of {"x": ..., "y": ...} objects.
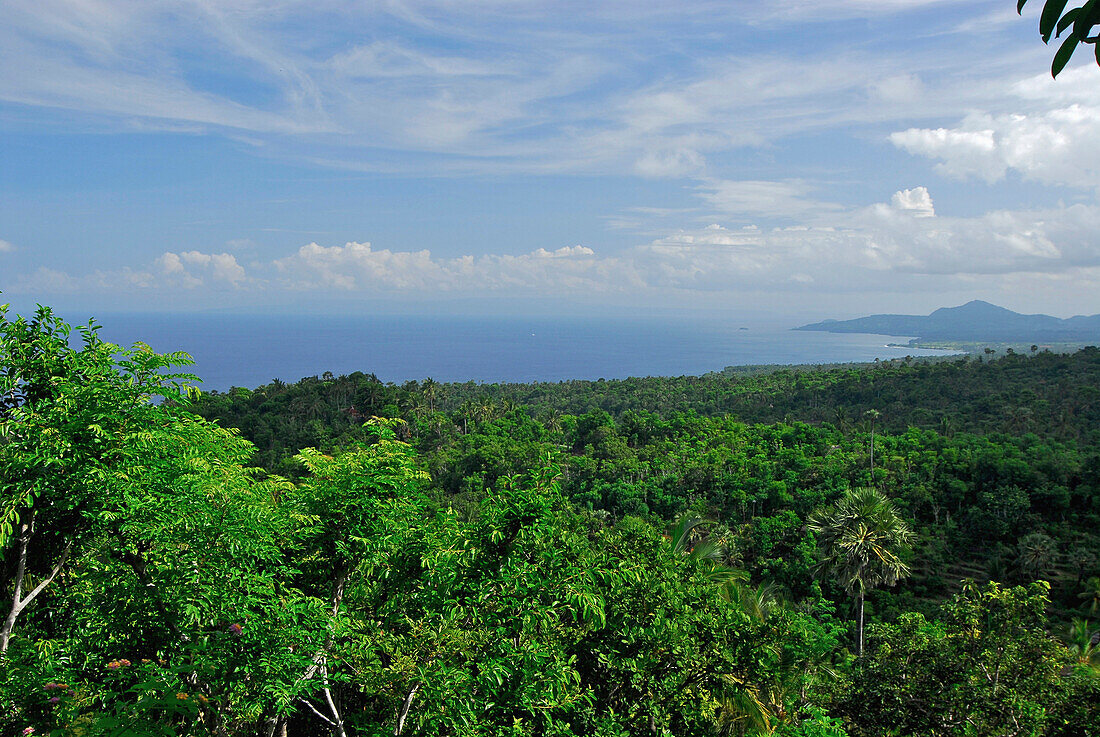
[
  {"x": 1053, "y": 137},
  {"x": 192, "y": 269},
  {"x": 901, "y": 240},
  {"x": 360, "y": 266},
  {"x": 900, "y": 243},
  {"x": 916, "y": 201},
  {"x": 189, "y": 270}
]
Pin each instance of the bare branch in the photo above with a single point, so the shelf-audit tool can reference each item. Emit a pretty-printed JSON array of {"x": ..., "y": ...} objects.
[
  {"x": 320, "y": 716},
  {"x": 53, "y": 574},
  {"x": 397, "y": 730}
]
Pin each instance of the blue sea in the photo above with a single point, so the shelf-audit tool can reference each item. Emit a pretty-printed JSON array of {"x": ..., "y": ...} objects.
[{"x": 250, "y": 350}]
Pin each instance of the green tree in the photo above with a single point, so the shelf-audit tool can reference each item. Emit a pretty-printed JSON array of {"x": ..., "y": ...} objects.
[
  {"x": 986, "y": 666},
  {"x": 1079, "y": 21},
  {"x": 872, "y": 416},
  {"x": 1084, "y": 643},
  {"x": 64, "y": 413},
  {"x": 861, "y": 541},
  {"x": 1038, "y": 553},
  {"x": 1091, "y": 594}
]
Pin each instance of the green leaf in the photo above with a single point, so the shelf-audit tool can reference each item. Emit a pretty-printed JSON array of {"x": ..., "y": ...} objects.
[
  {"x": 1065, "y": 51},
  {"x": 1066, "y": 20},
  {"x": 1020, "y": 6},
  {"x": 1049, "y": 19},
  {"x": 1085, "y": 20}
]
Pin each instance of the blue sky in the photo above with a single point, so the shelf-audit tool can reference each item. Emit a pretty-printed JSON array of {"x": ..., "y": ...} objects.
[{"x": 794, "y": 159}]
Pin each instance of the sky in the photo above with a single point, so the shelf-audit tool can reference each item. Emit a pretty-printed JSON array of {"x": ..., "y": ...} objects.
[{"x": 797, "y": 159}]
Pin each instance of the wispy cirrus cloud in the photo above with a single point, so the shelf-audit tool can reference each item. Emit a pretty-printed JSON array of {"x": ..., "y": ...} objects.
[
  {"x": 739, "y": 155},
  {"x": 617, "y": 88}
]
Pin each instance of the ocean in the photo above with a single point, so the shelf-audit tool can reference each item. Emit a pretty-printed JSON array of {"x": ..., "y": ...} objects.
[{"x": 250, "y": 350}]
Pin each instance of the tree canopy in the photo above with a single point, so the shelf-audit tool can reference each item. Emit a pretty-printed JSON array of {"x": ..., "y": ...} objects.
[{"x": 437, "y": 563}]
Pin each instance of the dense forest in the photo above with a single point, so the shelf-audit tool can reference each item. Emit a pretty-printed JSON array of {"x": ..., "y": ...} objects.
[{"x": 907, "y": 548}]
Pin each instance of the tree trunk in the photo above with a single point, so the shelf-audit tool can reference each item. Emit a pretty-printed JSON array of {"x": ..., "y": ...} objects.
[
  {"x": 17, "y": 595},
  {"x": 403, "y": 713},
  {"x": 872, "y": 453},
  {"x": 859, "y": 645},
  {"x": 18, "y": 601}
]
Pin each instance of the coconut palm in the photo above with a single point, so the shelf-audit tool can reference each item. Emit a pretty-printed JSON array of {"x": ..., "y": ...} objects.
[
  {"x": 1084, "y": 643},
  {"x": 872, "y": 415},
  {"x": 755, "y": 601},
  {"x": 1038, "y": 555},
  {"x": 431, "y": 391},
  {"x": 1091, "y": 594},
  {"x": 686, "y": 538},
  {"x": 861, "y": 540}
]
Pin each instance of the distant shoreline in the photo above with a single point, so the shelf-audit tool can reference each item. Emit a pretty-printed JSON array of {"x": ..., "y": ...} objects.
[{"x": 974, "y": 347}]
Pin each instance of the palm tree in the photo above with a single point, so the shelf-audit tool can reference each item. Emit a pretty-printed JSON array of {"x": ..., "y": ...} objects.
[
  {"x": 861, "y": 540},
  {"x": 1084, "y": 643},
  {"x": 686, "y": 538},
  {"x": 1038, "y": 555},
  {"x": 430, "y": 388},
  {"x": 872, "y": 415},
  {"x": 755, "y": 601},
  {"x": 1091, "y": 594}
]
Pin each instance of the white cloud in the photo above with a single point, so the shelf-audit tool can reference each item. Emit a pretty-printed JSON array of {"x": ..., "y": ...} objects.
[
  {"x": 1052, "y": 136},
  {"x": 45, "y": 281},
  {"x": 221, "y": 266},
  {"x": 620, "y": 87},
  {"x": 5, "y": 246},
  {"x": 189, "y": 270},
  {"x": 916, "y": 200},
  {"x": 964, "y": 152},
  {"x": 359, "y": 266},
  {"x": 789, "y": 199},
  {"x": 669, "y": 163},
  {"x": 900, "y": 88},
  {"x": 193, "y": 269},
  {"x": 833, "y": 9},
  {"x": 563, "y": 252},
  {"x": 900, "y": 244}
]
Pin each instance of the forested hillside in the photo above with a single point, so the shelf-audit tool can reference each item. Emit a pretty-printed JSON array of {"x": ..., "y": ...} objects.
[
  {"x": 902, "y": 549},
  {"x": 1053, "y": 395},
  {"x": 993, "y": 462}
]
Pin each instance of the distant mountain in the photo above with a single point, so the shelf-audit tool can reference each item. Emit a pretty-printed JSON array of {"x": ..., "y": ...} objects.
[{"x": 973, "y": 321}]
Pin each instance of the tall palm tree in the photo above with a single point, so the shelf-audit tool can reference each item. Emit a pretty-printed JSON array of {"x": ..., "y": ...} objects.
[
  {"x": 861, "y": 540},
  {"x": 431, "y": 390},
  {"x": 872, "y": 415}
]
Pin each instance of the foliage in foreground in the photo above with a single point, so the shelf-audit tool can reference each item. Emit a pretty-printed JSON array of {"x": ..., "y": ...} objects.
[
  {"x": 1078, "y": 23},
  {"x": 985, "y": 666},
  {"x": 176, "y": 590}
]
